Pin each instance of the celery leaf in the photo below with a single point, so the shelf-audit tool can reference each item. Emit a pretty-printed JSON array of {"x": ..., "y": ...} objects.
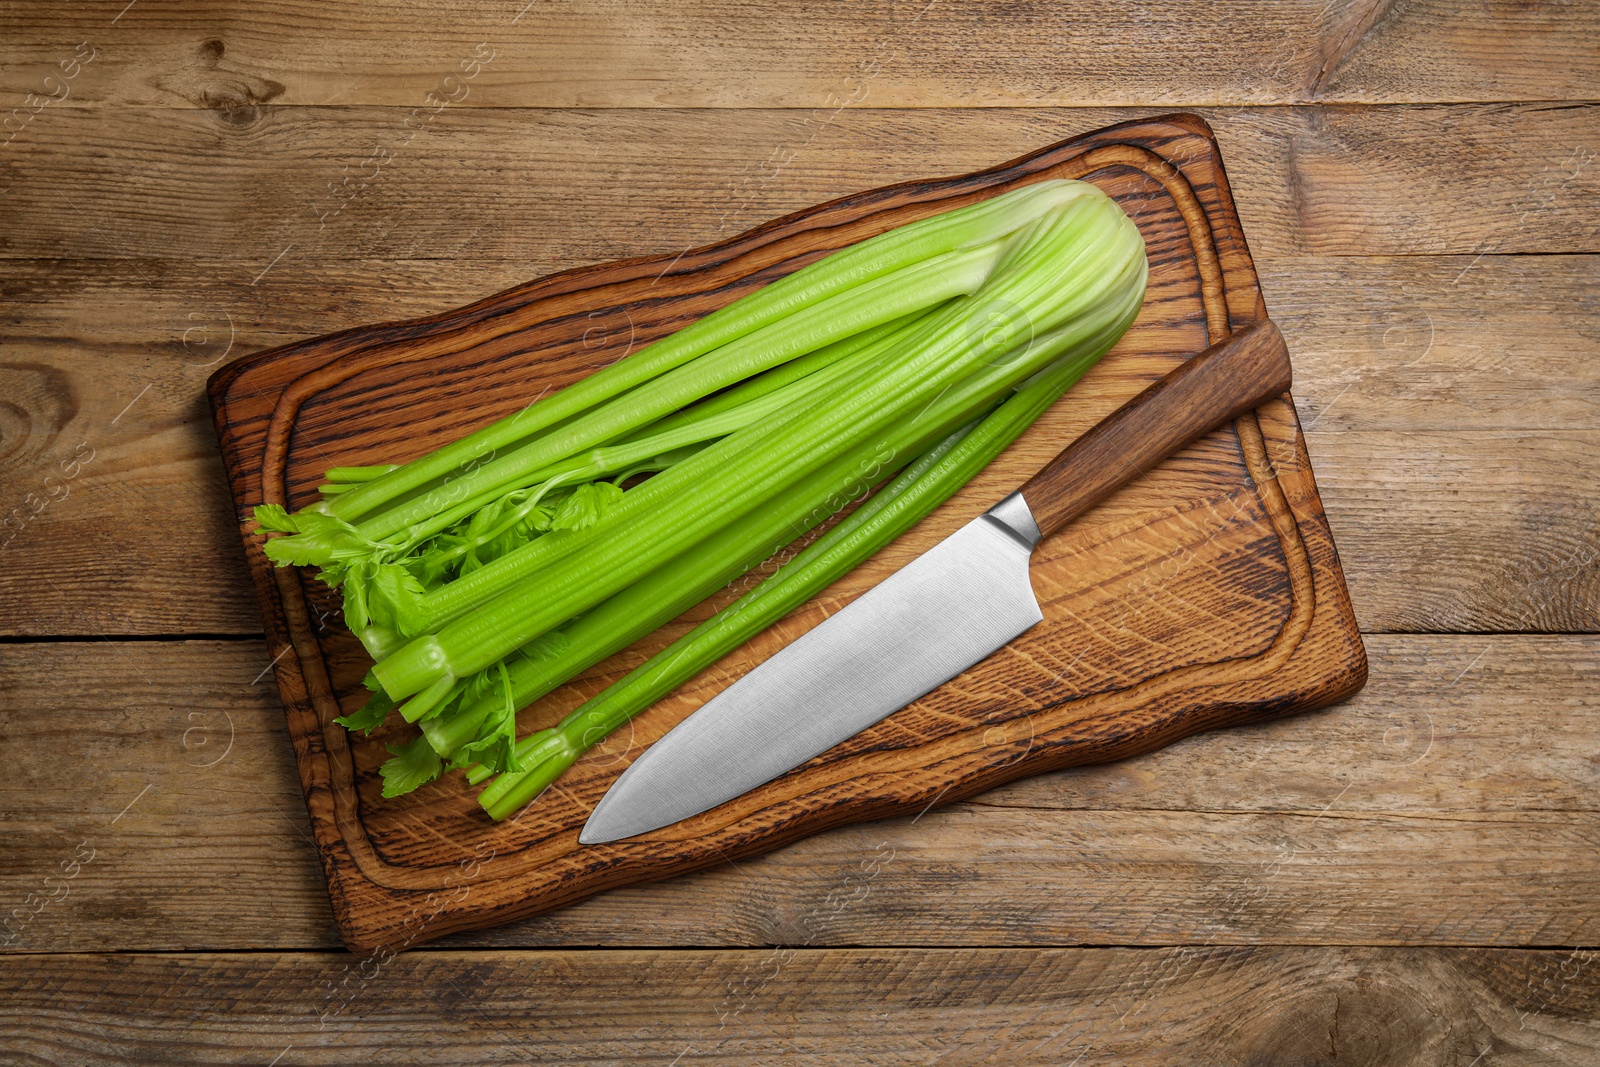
[
  {"x": 586, "y": 506},
  {"x": 321, "y": 539},
  {"x": 496, "y": 746},
  {"x": 357, "y": 586},
  {"x": 369, "y": 716},
  {"x": 395, "y": 600},
  {"x": 275, "y": 517},
  {"x": 413, "y": 765}
]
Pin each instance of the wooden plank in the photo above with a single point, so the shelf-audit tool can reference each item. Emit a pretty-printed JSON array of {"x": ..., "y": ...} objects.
[
  {"x": 1085, "y": 1006},
  {"x": 1517, "y": 553},
  {"x": 114, "y": 498},
  {"x": 761, "y": 53},
  {"x": 1452, "y": 801},
  {"x": 300, "y": 185},
  {"x": 1406, "y": 181},
  {"x": 1481, "y": 52},
  {"x": 1446, "y": 343},
  {"x": 1438, "y": 529},
  {"x": 1447, "y": 723},
  {"x": 139, "y": 753},
  {"x": 1379, "y": 343},
  {"x": 1421, "y": 356}
]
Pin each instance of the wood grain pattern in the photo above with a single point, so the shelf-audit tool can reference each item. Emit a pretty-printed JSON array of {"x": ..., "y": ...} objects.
[
  {"x": 1481, "y": 574},
  {"x": 1233, "y": 523},
  {"x": 892, "y": 53},
  {"x": 1464, "y": 758},
  {"x": 1424, "y": 360},
  {"x": 141, "y": 214},
  {"x": 1423, "y": 342},
  {"x": 1442, "y": 344},
  {"x": 562, "y": 188},
  {"x": 1279, "y": 1005}
]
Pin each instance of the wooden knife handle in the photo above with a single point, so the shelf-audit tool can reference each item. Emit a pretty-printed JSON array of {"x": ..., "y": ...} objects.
[{"x": 1207, "y": 390}]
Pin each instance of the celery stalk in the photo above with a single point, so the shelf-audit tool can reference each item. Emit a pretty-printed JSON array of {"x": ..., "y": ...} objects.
[
  {"x": 912, "y": 496},
  {"x": 710, "y": 489},
  {"x": 484, "y": 574},
  {"x": 914, "y": 243},
  {"x": 872, "y": 304}
]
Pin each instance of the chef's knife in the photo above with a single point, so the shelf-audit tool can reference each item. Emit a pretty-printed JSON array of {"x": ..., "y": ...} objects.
[{"x": 935, "y": 617}]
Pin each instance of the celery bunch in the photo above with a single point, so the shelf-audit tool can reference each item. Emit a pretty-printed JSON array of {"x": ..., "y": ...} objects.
[{"x": 489, "y": 572}]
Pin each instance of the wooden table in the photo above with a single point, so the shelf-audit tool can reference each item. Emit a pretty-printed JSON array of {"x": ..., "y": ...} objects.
[{"x": 1411, "y": 877}]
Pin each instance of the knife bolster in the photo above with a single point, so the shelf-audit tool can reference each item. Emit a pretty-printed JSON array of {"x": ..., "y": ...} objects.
[{"x": 1016, "y": 518}]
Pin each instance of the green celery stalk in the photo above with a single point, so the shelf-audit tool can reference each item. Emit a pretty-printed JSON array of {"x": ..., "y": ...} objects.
[
  {"x": 706, "y": 424},
  {"x": 715, "y": 417},
  {"x": 357, "y": 474},
  {"x": 665, "y": 593},
  {"x": 707, "y": 490},
  {"x": 914, "y": 494},
  {"x": 778, "y": 377},
  {"x": 937, "y": 337},
  {"x": 670, "y": 590},
  {"x": 848, "y": 268},
  {"x": 871, "y": 304}
]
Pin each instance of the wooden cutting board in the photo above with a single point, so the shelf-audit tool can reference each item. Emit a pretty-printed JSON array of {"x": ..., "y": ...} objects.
[{"x": 1207, "y": 593}]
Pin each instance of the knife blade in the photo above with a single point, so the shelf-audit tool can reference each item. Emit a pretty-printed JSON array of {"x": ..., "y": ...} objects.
[{"x": 945, "y": 611}]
